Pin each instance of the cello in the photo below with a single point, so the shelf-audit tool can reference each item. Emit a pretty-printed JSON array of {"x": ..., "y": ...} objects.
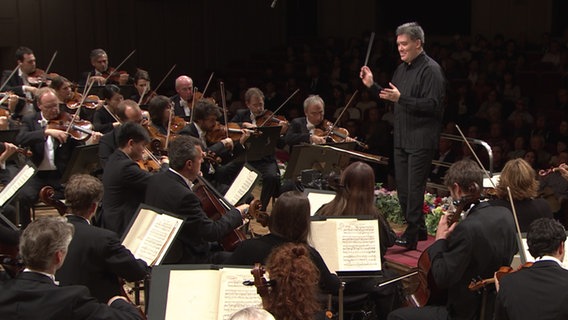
[{"x": 216, "y": 206}]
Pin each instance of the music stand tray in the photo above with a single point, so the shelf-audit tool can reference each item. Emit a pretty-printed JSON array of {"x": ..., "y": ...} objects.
[
  {"x": 307, "y": 156},
  {"x": 262, "y": 145},
  {"x": 84, "y": 159}
]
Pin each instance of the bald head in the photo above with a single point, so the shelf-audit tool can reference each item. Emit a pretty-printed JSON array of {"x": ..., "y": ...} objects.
[{"x": 184, "y": 87}]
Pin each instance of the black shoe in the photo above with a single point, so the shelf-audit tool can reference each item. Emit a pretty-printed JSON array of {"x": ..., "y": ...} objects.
[
  {"x": 422, "y": 235},
  {"x": 404, "y": 242}
]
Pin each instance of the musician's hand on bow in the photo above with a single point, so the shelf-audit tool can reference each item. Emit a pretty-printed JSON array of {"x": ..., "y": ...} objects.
[
  {"x": 366, "y": 76},
  {"x": 391, "y": 94}
]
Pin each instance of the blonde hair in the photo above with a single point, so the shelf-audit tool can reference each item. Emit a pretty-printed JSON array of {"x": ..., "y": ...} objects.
[{"x": 520, "y": 177}]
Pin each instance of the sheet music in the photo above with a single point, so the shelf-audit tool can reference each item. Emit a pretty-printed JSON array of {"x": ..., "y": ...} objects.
[
  {"x": 209, "y": 294},
  {"x": 157, "y": 236},
  {"x": 318, "y": 199},
  {"x": 19, "y": 180},
  {"x": 241, "y": 186},
  {"x": 516, "y": 263},
  {"x": 347, "y": 244}
]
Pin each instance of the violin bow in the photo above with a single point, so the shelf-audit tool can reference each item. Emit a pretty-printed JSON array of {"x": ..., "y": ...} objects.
[
  {"x": 120, "y": 64},
  {"x": 169, "y": 124},
  {"x": 158, "y": 86},
  {"x": 522, "y": 253},
  {"x": 207, "y": 85},
  {"x": 341, "y": 114},
  {"x": 76, "y": 114},
  {"x": 224, "y": 103},
  {"x": 475, "y": 155},
  {"x": 283, "y": 103},
  {"x": 48, "y": 68},
  {"x": 192, "y": 103},
  {"x": 369, "y": 47},
  {"x": 9, "y": 77},
  {"x": 146, "y": 89}
]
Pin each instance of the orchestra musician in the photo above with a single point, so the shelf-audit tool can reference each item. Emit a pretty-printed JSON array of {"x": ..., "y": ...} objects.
[
  {"x": 95, "y": 257},
  {"x": 35, "y": 294},
  {"x": 19, "y": 83},
  {"x": 159, "y": 109},
  {"x": 51, "y": 150},
  {"x": 171, "y": 190},
  {"x": 417, "y": 89},
  {"x": 104, "y": 119},
  {"x": 100, "y": 72},
  {"x": 64, "y": 92},
  {"x": 475, "y": 247},
  {"x": 127, "y": 110},
  {"x": 289, "y": 222},
  {"x": 142, "y": 86},
  {"x": 204, "y": 123},
  {"x": 267, "y": 166},
  {"x": 302, "y": 129},
  {"x": 537, "y": 291},
  {"x": 183, "y": 100},
  {"x": 123, "y": 180}
]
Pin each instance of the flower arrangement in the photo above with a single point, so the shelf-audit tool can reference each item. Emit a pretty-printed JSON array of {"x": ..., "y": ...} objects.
[{"x": 434, "y": 207}]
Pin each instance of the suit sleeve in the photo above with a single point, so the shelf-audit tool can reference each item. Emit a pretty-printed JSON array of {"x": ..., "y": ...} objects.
[
  {"x": 449, "y": 263},
  {"x": 121, "y": 261},
  {"x": 87, "y": 307},
  {"x": 105, "y": 149},
  {"x": 295, "y": 135},
  {"x": 28, "y": 136}
]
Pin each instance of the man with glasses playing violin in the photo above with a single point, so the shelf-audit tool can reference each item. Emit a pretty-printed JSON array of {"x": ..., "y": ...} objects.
[
  {"x": 51, "y": 148},
  {"x": 537, "y": 291}
]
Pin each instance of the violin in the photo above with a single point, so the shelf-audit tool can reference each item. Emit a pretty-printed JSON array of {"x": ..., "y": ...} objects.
[
  {"x": 11, "y": 94},
  {"x": 231, "y": 130},
  {"x": 545, "y": 172},
  {"x": 78, "y": 129},
  {"x": 157, "y": 141},
  {"x": 269, "y": 119},
  {"x": 39, "y": 77},
  {"x": 326, "y": 129},
  {"x": 476, "y": 285},
  {"x": 120, "y": 77},
  {"x": 91, "y": 102},
  {"x": 25, "y": 151},
  {"x": 255, "y": 212},
  {"x": 216, "y": 206},
  {"x": 177, "y": 124}
]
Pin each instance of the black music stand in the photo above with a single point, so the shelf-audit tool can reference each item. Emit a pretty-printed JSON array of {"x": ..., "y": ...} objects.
[
  {"x": 84, "y": 159},
  {"x": 261, "y": 145},
  {"x": 307, "y": 156}
]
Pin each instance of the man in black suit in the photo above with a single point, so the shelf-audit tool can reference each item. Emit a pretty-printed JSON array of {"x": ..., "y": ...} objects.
[
  {"x": 95, "y": 258},
  {"x": 302, "y": 129},
  {"x": 204, "y": 122},
  {"x": 123, "y": 180},
  {"x": 101, "y": 71},
  {"x": 35, "y": 294},
  {"x": 51, "y": 150},
  {"x": 473, "y": 248},
  {"x": 417, "y": 89},
  {"x": 19, "y": 82},
  {"x": 538, "y": 291},
  {"x": 267, "y": 166},
  {"x": 172, "y": 191},
  {"x": 183, "y": 100}
]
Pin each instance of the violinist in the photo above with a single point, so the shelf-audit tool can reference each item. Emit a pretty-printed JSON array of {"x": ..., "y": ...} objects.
[
  {"x": 142, "y": 86},
  {"x": 19, "y": 82},
  {"x": 64, "y": 91},
  {"x": 183, "y": 100},
  {"x": 51, "y": 149},
  {"x": 7, "y": 109},
  {"x": 105, "y": 117},
  {"x": 520, "y": 177},
  {"x": 538, "y": 291},
  {"x": 123, "y": 180},
  {"x": 100, "y": 72},
  {"x": 171, "y": 190},
  {"x": 267, "y": 166},
  {"x": 159, "y": 109},
  {"x": 95, "y": 257},
  {"x": 475, "y": 247}
]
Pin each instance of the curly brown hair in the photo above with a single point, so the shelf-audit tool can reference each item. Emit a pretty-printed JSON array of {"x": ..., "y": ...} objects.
[{"x": 293, "y": 295}]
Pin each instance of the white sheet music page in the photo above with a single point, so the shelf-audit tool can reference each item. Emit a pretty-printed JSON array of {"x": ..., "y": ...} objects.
[
  {"x": 358, "y": 245},
  {"x": 233, "y": 295},
  {"x": 16, "y": 183},
  {"x": 241, "y": 186}
]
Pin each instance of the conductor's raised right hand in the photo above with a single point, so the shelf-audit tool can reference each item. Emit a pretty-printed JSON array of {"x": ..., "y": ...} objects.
[{"x": 366, "y": 76}]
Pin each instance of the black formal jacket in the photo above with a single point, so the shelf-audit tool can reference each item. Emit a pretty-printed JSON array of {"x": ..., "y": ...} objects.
[
  {"x": 103, "y": 121},
  {"x": 168, "y": 191},
  {"x": 297, "y": 132},
  {"x": 124, "y": 188},
  {"x": 107, "y": 145},
  {"x": 481, "y": 243},
  {"x": 32, "y": 135},
  {"x": 34, "y": 296},
  {"x": 537, "y": 292},
  {"x": 178, "y": 109},
  {"x": 257, "y": 250},
  {"x": 528, "y": 210},
  {"x": 218, "y": 148},
  {"x": 96, "y": 259}
]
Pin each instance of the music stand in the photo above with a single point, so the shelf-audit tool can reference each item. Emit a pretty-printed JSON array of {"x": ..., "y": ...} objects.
[
  {"x": 262, "y": 145},
  {"x": 84, "y": 159},
  {"x": 307, "y": 156}
]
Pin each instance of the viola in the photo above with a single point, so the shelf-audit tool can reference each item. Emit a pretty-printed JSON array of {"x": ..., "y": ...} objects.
[
  {"x": 177, "y": 124},
  {"x": 255, "y": 212},
  {"x": 216, "y": 206},
  {"x": 111, "y": 74},
  {"x": 477, "y": 285},
  {"x": 269, "y": 119},
  {"x": 326, "y": 129},
  {"x": 231, "y": 130},
  {"x": 157, "y": 141},
  {"x": 91, "y": 101},
  {"x": 78, "y": 129},
  {"x": 39, "y": 77}
]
